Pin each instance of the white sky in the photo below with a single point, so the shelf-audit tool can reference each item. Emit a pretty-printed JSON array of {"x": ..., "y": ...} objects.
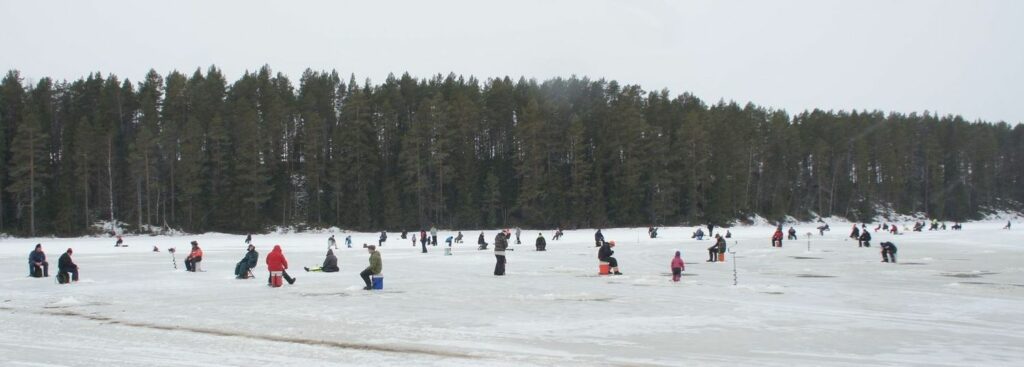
[{"x": 955, "y": 57}]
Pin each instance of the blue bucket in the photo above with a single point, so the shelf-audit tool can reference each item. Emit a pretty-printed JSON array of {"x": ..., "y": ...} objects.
[{"x": 378, "y": 281}]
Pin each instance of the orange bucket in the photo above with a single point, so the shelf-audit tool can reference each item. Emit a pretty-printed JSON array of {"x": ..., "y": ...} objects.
[
  {"x": 604, "y": 269},
  {"x": 721, "y": 257}
]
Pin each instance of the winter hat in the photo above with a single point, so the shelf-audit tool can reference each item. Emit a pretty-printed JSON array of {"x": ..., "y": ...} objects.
[
  {"x": 372, "y": 247},
  {"x": 679, "y": 253},
  {"x": 69, "y": 250},
  {"x": 39, "y": 246}
]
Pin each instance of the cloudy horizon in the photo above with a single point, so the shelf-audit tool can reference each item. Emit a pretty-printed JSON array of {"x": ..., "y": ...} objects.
[{"x": 947, "y": 57}]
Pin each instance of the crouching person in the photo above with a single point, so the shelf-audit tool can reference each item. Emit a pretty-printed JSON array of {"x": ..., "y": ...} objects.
[
  {"x": 541, "y": 243},
  {"x": 888, "y": 252},
  {"x": 243, "y": 267},
  {"x": 330, "y": 264},
  {"x": 374, "y": 269},
  {"x": 67, "y": 270}
]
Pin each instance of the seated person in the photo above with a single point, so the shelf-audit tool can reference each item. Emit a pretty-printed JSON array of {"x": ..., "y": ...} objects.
[
  {"x": 248, "y": 263},
  {"x": 66, "y": 267},
  {"x": 330, "y": 264},
  {"x": 37, "y": 265}
]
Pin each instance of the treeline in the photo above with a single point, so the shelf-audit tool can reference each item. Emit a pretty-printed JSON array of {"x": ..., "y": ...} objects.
[{"x": 197, "y": 153}]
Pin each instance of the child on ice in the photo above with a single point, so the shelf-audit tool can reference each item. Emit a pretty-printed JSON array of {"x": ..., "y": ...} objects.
[{"x": 677, "y": 267}]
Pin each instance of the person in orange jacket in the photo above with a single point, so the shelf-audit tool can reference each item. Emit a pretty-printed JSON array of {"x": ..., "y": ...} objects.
[
  {"x": 277, "y": 262},
  {"x": 193, "y": 257}
]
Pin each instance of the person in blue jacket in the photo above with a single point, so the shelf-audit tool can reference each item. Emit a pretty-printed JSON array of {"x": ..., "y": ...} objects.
[{"x": 37, "y": 265}]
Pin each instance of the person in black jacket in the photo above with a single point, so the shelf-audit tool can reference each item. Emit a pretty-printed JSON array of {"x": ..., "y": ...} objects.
[
  {"x": 500, "y": 245},
  {"x": 37, "y": 265},
  {"x": 888, "y": 252},
  {"x": 66, "y": 266},
  {"x": 864, "y": 240},
  {"x": 248, "y": 262},
  {"x": 383, "y": 238},
  {"x": 792, "y": 234},
  {"x": 541, "y": 243},
  {"x": 598, "y": 238},
  {"x": 605, "y": 255},
  {"x": 330, "y": 264},
  {"x": 482, "y": 244}
]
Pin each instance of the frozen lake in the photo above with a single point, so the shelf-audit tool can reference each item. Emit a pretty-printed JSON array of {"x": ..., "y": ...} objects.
[{"x": 954, "y": 299}]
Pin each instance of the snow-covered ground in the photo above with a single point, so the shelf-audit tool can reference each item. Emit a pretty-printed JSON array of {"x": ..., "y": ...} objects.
[{"x": 955, "y": 299}]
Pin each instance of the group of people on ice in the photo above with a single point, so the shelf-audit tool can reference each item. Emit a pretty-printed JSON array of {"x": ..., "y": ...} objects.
[{"x": 38, "y": 267}]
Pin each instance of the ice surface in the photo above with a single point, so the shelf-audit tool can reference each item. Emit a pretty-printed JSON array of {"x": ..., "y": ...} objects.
[{"x": 955, "y": 298}]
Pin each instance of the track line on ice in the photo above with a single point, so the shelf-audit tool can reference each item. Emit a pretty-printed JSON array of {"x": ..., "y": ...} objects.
[{"x": 272, "y": 338}]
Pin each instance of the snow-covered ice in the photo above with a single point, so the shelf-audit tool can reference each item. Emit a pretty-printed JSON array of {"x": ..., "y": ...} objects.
[{"x": 955, "y": 299}]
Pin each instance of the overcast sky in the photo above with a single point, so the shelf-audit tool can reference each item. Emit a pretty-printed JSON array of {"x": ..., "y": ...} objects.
[{"x": 955, "y": 57}]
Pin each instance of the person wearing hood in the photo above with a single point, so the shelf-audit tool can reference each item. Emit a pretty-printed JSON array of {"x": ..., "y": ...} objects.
[
  {"x": 598, "y": 238},
  {"x": 248, "y": 262},
  {"x": 792, "y": 234},
  {"x": 605, "y": 255},
  {"x": 277, "y": 262},
  {"x": 193, "y": 257},
  {"x": 37, "y": 265},
  {"x": 330, "y": 264},
  {"x": 677, "y": 266},
  {"x": 66, "y": 266},
  {"x": 541, "y": 243},
  {"x": 376, "y": 266}
]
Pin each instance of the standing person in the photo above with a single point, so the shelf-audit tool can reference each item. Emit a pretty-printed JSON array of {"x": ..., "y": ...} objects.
[
  {"x": 37, "y": 265},
  {"x": 500, "y": 244},
  {"x": 677, "y": 266},
  {"x": 458, "y": 238},
  {"x": 777, "y": 237},
  {"x": 423, "y": 238},
  {"x": 248, "y": 239},
  {"x": 66, "y": 266},
  {"x": 541, "y": 243},
  {"x": 376, "y": 266},
  {"x": 383, "y": 238},
  {"x": 433, "y": 235},
  {"x": 864, "y": 240},
  {"x": 598, "y": 238},
  {"x": 248, "y": 263},
  {"x": 711, "y": 229},
  {"x": 1007, "y": 227},
  {"x": 792, "y": 234},
  {"x": 331, "y": 242},
  {"x": 193, "y": 257},
  {"x": 348, "y": 241},
  {"x": 330, "y": 264},
  {"x": 424, "y": 241},
  {"x": 277, "y": 262},
  {"x": 413, "y": 240},
  {"x": 888, "y": 252},
  {"x": 605, "y": 255},
  {"x": 120, "y": 241},
  {"x": 518, "y": 231},
  {"x": 481, "y": 243}
]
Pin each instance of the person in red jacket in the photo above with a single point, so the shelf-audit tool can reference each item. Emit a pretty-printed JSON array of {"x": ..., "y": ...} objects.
[
  {"x": 193, "y": 257},
  {"x": 777, "y": 238},
  {"x": 277, "y": 262}
]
